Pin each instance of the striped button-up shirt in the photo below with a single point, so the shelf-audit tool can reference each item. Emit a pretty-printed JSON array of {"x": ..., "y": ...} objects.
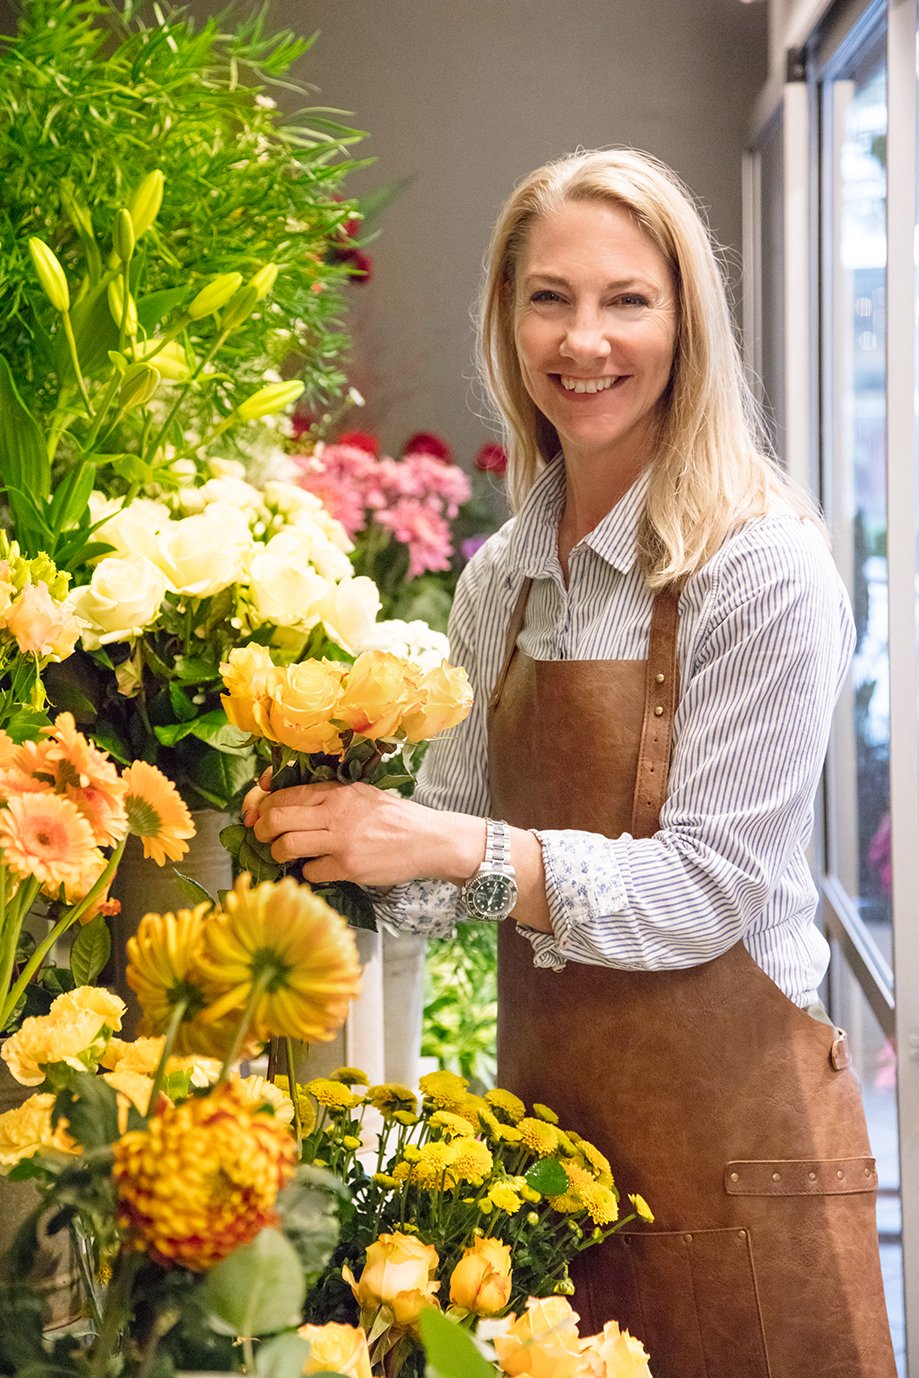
[{"x": 764, "y": 641}]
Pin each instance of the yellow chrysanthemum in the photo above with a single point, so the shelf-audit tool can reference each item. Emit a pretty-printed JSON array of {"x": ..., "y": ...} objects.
[
  {"x": 95, "y": 998},
  {"x": 202, "y": 1178},
  {"x": 405, "y": 1117},
  {"x": 401, "y": 1172},
  {"x": 595, "y": 1159},
  {"x": 509, "y": 1134},
  {"x": 74, "y": 1037},
  {"x": 156, "y": 813},
  {"x": 306, "y": 1106},
  {"x": 488, "y": 1124},
  {"x": 538, "y": 1136},
  {"x": 334, "y": 1095},
  {"x": 391, "y": 1096},
  {"x": 351, "y": 1076},
  {"x": 566, "y": 1143},
  {"x": 432, "y": 1171},
  {"x": 545, "y": 1113},
  {"x": 601, "y": 1203},
  {"x": 445, "y": 1089},
  {"x": 449, "y": 1124},
  {"x": 512, "y": 1106},
  {"x": 44, "y": 835},
  {"x": 473, "y": 1161},
  {"x": 473, "y": 1107},
  {"x": 164, "y": 971},
  {"x": 26, "y": 1129},
  {"x": 294, "y": 947},
  {"x": 504, "y": 1197},
  {"x": 642, "y": 1208}
]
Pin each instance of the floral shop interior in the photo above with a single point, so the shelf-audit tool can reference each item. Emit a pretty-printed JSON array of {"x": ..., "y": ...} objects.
[{"x": 249, "y": 1120}]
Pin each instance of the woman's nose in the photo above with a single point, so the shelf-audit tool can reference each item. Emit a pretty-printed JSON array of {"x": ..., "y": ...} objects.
[{"x": 585, "y": 337}]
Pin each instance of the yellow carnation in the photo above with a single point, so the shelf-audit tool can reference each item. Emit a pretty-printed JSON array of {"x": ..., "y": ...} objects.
[
  {"x": 93, "y": 998},
  {"x": 26, "y": 1130},
  {"x": 73, "y": 1037}
]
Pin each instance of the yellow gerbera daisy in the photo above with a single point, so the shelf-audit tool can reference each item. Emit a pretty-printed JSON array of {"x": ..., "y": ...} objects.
[
  {"x": 512, "y": 1106},
  {"x": 44, "y": 835},
  {"x": 294, "y": 947},
  {"x": 164, "y": 971},
  {"x": 156, "y": 814}
]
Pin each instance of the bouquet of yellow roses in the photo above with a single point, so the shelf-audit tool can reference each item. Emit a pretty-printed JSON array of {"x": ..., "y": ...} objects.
[{"x": 326, "y": 720}]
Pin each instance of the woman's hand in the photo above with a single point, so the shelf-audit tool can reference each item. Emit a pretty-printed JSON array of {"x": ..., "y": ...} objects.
[{"x": 363, "y": 834}]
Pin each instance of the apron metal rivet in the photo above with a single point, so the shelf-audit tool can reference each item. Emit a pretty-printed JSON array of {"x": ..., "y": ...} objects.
[
  {"x": 735, "y": 1176},
  {"x": 812, "y": 1176},
  {"x": 658, "y": 711},
  {"x": 776, "y": 1177},
  {"x": 688, "y": 1238},
  {"x": 839, "y": 1175},
  {"x": 659, "y": 678},
  {"x": 741, "y": 1234},
  {"x": 867, "y": 1172}
]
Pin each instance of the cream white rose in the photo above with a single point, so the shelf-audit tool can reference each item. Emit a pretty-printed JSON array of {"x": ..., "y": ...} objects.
[
  {"x": 284, "y": 591},
  {"x": 123, "y": 598},
  {"x": 349, "y": 612},
  {"x": 132, "y": 529},
  {"x": 310, "y": 545},
  {"x": 201, "y": 556},
  {"x": 323, "y": 521},
  {"x": 226, "y": 468},
  {"x": 411, "y": 640},
  {"x": 235, "y": 492}
]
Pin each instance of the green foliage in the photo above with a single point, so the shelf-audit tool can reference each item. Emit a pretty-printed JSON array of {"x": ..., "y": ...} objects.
[
  {"x": 451, "y": 1351},
  {"x": 461, "y": 1002},
  {"x": 92, "y": 98}
]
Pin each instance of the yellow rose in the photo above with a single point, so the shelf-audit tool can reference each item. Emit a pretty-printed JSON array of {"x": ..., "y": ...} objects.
[
  {"x": 26, "y": 1129},
  {"x": 543, "y": 1343},
  {"x": 336, "y": 1349},
  {"x": 304, "y": 699},
  {"x": 481, "y": 1281},
  {"x": 397, "y": 1275},
  {"x": 448, "y": 701},
  {"x": 74, "y": 1037},
  {"x": 94, "y": 998},
  {"x": 247, "y": 675},
  {"x": 381, "y": 690},
  {"x": 614, "y": 1354}
]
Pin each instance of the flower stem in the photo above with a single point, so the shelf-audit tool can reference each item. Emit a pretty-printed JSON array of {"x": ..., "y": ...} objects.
[
  {"x": 259, "y": 986},
  {"x": 292, "y": 1084},
  {"x": 72, "y": 344},
  {"x": 159, "y": 1076},
  {"x": 13, "y": 919},
  {"x": 116, "y": 1312}
]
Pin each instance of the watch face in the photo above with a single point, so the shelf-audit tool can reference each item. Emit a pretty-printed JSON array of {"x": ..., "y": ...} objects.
[{"x": 491, "y": 896}]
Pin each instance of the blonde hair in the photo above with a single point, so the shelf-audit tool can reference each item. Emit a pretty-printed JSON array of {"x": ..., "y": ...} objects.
[{"x": 713, "y": 468}]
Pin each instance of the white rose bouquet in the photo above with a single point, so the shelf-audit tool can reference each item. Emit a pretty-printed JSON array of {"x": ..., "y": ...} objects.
[{"x": 209, "y": 568}]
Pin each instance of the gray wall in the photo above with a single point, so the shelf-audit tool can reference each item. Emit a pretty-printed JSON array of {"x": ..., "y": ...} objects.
[{"x": 464, "y": 97}]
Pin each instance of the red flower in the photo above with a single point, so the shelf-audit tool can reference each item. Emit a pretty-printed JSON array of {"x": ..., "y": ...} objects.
[
  {"x": 426, "y": 443},
  {"x": 360, "y": 440},
  {"x": 491, "y": 459}
]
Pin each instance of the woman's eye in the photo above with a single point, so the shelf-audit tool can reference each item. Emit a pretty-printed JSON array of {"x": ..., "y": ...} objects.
[
  {"x": 632, "y": 299},
  {"x": 545, "y": 296}
]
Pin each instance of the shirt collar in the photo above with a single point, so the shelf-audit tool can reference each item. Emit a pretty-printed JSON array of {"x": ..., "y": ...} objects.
[{"x": 533, "y": 548}]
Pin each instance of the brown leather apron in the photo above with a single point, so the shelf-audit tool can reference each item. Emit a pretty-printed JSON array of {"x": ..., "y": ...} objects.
[{"x": 734, "y": 1113}]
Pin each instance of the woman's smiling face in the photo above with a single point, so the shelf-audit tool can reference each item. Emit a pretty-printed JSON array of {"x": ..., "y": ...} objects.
[{"x": 595, "y": 319}]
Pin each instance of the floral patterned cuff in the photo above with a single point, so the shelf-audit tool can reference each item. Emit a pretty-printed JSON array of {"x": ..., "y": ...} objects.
[
  {"x": 583, "y": 883},
  {"x": 417, "y": 906}
]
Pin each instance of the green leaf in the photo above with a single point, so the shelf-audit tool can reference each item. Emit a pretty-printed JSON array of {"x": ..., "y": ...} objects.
[
  {"x": 450, "y": 1349},
  {"x": 155, "y": 305},
  {"x": 349, "y": 900},
  {"x": 196, "y": 669},
  {"x": 90, "y": 951},
  {"x": 217, "y": 775},
  {"x": 184, "y": 709},
  {"x": 258, "y": 1289},
  {"x": 283, "y": 1356},
  {"x": 23, "y": 457},
  {"x": 308, "y": 1209},
  {"x": 90, "y": 1107},
  {"x": 548, "y": 1177},
  {"x": 191, "y": 889},
  {"x": 214, "y": 728}
]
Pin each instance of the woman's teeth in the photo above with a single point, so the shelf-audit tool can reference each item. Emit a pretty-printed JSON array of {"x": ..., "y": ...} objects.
[{"x": 586, "y": 384}]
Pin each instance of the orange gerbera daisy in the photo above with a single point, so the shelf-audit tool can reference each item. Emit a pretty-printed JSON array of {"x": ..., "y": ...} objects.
[
  {"x": 156, "y": 814},
  {"x": 283, "y": 932},
  {"x": 88, "y": 777},
  {"x": 45, "y": 835}
]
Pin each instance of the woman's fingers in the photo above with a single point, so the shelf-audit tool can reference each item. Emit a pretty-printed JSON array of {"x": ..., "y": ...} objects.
[{"x": 254, "y": 797}]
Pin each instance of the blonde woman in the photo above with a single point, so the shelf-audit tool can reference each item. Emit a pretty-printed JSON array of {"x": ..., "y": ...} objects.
[{"x": 656, "y": 641}]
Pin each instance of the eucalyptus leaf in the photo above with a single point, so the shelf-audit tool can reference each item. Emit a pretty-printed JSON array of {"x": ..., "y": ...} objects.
[
  {"x": 283, "y": 1356},
  {"x": 450, "y": 1350},
  {"x": 258, "y": 1289},
  {"x": 308, "y": 1211},
  {"x": 191, "y": 889}
]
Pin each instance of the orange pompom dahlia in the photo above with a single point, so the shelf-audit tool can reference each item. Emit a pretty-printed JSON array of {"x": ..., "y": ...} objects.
[{"x": 202, "y": 1178}]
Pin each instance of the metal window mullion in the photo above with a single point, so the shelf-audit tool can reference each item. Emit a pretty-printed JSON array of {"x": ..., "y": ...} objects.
[{"x": 902, "y": 529}]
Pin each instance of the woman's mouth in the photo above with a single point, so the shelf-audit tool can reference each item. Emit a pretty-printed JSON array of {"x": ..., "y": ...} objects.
[{"x": 571, "y": 384}]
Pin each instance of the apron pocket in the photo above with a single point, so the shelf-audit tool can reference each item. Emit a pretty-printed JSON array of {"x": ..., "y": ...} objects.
[{"x": 694, "y": 1302}]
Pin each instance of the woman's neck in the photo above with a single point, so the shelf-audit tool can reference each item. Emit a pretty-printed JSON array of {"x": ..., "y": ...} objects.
[{"x": 591, "y": 492}]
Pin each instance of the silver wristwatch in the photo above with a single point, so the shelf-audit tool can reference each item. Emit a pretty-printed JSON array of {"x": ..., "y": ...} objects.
[{"x": 492, "y": 892}]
